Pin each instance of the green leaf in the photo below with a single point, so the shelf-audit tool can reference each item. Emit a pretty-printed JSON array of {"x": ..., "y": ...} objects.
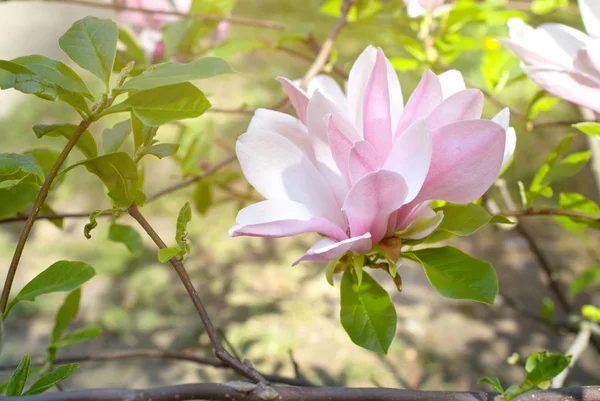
[
  {"x": 113, "y": 138},
  {"x": 128, "y": 236},
  {"x": 457, "y": 275},
  {"x": 547, "y": 309},
  {"x": 185, "y": 215},
  {"x": 166, "y": 254},
  {"x": 86, "y": 143},
  {"x": 67, "y": 312},
  {"x": 134, "y": 49},
  {"x": 173, "y": 73},
  {"x": 212, "y": 7},
  {"x": 567, "y": 167},
  {"x": 79, "y": 336},
  {"x": 182, "y": 36},
  {"x": 584, "y": 280},
  {"x": 160, "y": 150},
  {"x": 20, "y": 180},
  {"x": 159, "y": 106},
  {"x": 494, "y": 382},
  {"x": 588, "y": 128},
  {"x": 51, "y": 379},
  {"x": 87, "y": 229},
  {"x": 591, "y": 312},
  {"x": 44, "y": 158},
  {"x": 118, "y": 172},
  {"x": 539, "y": 185},
  {"x": 60, "y": 277},
  {"x": 19, "y": 378},
  {"x": 14, "y": 75},
  {"x": 540, "y": 367},
  {"x": 466, "y": 219},
  {"x": 367, "y": 312},
  {"x": 578, "y": 203},
  {"x": 202, "y": 196},
  {"x": 92, "y": 44}
]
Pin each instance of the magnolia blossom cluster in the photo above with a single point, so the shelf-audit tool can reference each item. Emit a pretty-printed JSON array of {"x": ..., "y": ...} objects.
[
  {"x": 149, "y": 25},
  {"x": 419, "y": 8},
  {"x": 359, "y": 167},
  {"x": 562, "y": 60}
]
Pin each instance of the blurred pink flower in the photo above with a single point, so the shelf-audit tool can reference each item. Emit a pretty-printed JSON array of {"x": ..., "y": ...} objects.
[
  {"x": 360, "y": 167},
  {"x": 562, "y": 60},
  {"x": 418, "y": 8},
  {"x": 153, "y": 21}
]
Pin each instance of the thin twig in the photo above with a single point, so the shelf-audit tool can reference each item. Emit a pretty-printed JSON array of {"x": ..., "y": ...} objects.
[
  {"x": 200, "y": 17},
  {"x": 546, "y": 124},
  {"x": 327, "y": 46},
  {"x": 192, "y": 180},
  {"x": 581, "y": 342},
  {"x": 39, "y": 202},
  {"x": 154, "y": 354},
  {"x": 220, "y": 351},
  {"x": 225, "y": 392},
  {"x": 551, "y": 212}
]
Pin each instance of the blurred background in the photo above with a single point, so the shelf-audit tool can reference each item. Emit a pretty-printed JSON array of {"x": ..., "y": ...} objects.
[{"x": 270, "y": 313}]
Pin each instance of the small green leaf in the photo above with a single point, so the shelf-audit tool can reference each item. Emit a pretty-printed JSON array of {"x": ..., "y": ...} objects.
[
  {"x": 202, "y": 196},
  {"x": 456, "y": 275},
  {"x": 185, "y": 215},
  {"x": 19, "y": 378},
  {"x": 466, "y": 219},
  {"x": 160, "y": 150},
  {"x": 166, "y": 254},
  {"x": 86, "y": 143},
  {"x": 358, "y": 264},
  {"x": 118, "y": 172},
  {"x": 585, "y": 279},
  {"x": 578, "y": 203},
  {"x": 547, "y": 309},
  {"x": 51, "y": 379},
  {"x": 92, "y": 44},
  {"x": 128, "y": 236},
  {"x": 172, "y": 73},
  {"x": 161, "y": 105},
  {"x": 67, "y": 312},
  {"x": 540, "y": 367},
  {"x": 589, "y": 128},
  {"x": 567, "y": 167},
  {"x": 20, "y": 180},
  {"x": 79, "y": 336},
  {"x": 591, "y": 312},
  {"x": 539, "y": 185},
  {"x": 134, "y": 49},
  {"x": 367, "y": 314},
  {"x": 113, "y": 138},
  {"x": 87, "y": 229},
  {"x": 494, "y": 382},
  {"x": 60, "y": 277}
]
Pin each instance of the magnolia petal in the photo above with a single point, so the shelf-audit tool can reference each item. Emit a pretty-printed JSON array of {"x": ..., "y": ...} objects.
[
  {"x": 361, "y": 161},
  {"x": 590, "y": 13},
  {"x": 426, "y": 97},
  {"x": 326, "y": 249},
  {"x": 340, "y": 148},
  {"x": 372, "y": 200},
  {"x": 285, "y": 125},
  {"x": 452, "y": 82},
  {"x": 424, "y": 222},
  {"x": 411, "y": 156},
  {"x": 276, "y": 218},
  {"x": 464, "y": 105},
  {"x": 466, "y": 159},
  {"x": 377, "y": 128},
  {"x": 330, "y": 89},
  {"x": 503, "y": 119},
  {"x": 572, "y": 86},
  {"x": 278, "y": 169},
  {"x": 298, "y": 98},
  {"x": 319, "y": 108},
  {"x": 357, "y": 86}
]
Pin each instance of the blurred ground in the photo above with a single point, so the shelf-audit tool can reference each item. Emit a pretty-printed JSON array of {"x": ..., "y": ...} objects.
[{"x": 266, "y": 307}]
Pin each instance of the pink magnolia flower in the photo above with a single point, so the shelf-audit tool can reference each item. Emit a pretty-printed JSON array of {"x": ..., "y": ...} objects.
[
  {"x": 361, "y": 167},
  {"x": 419, "y": 8},
  {"x": 562, "y": 60}
]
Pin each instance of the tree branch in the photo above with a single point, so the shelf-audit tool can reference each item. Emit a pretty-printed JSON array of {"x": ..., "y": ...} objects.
[
  {"x": 200, "y": 17},
  {"x": 551, "y": 212},
  {"x": 156, "y": 354},
  {"x": 225, "y": 392},
  {"x": 179, "y": 268},
  {"x": 327, "y": 46}
]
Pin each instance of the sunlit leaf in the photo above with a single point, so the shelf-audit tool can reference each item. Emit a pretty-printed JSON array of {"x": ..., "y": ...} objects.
[
  {"x": 51, "y": 379},
  {"x": 19, "y": 377},
  {"x": 86, "y": 143},
  {"x": 128, "y": 236}
]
